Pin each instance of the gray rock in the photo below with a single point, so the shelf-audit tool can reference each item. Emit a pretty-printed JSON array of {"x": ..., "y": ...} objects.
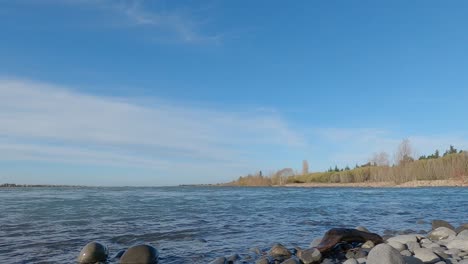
[
  {"x": 384, "y": 254},
  {"x": 463, "y": 235},
  {"x": 309, "y": 256},
  {"x": 397, "y": 245},
  {"x": 461, "y": 228},
  {"x": 406, "y": 253},
  {"x": 441, "y": 233},
  {"x": 279, "y": 252},
  {"x": 426, "y": 255},
  {"x": 361, "y": 260},
  {"x": 93, "y": 252},
  {"x": 363, "y": 229},
  {"x": 141, "y": 254},
  {"x": 452, "y": 251},
  {"x": 220, "y": 260},
  {"x": 441, "y": 223},
  {"x": 231, "y": 259},
  {"x": 412, "y": 260},
  {"x": 263, "y": 260},
  {"x": 351, "y": 261},
  {"x": 404, "y": 238},
  {"x": 459, "y": 244},
  {"x": 328, "y": 261},
  {"x": 368, "y": 244},
  {"x": 412, "y": 246}
]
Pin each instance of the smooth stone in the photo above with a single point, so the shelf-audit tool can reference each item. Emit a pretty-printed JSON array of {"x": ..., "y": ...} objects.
[
  {"x": 426, "y": 255},
  {"x": 361, "y": 260},
  {"x": 459, "y": 244},
  {"x": 441, "y": 223},
  {"x": 363, "y": 229},
  {"x": 316, "y": 242},
  {"x": 412, "y": 245},
  {"x": 263, "y": 260},
  {"x": 368, "y": 244},
  {"x": 351, "y": 261},
  {"x": 384, "y": 254},
  {"x": 309, "y": 256},
  {"x": 463, "y": 235},
  {"x": 441, "y": 233},
  {"x": 404, "y": 238},
  {"x": 412, "y": 260},
  {"x": 93, "y": 252},
  {"x": 406, "y": 253},
  {"x": 279, "y": 251},
  {"x": 461, "y": 228},
  {"x": 141, "y": 254},
  {"x": 397, "y": 245}
]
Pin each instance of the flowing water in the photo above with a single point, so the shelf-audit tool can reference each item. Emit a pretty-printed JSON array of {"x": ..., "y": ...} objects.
[{"x": 197, "y": 224}]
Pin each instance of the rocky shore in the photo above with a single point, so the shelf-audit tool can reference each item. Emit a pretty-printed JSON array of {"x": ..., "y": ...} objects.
[{"x": 444, "y": 244}]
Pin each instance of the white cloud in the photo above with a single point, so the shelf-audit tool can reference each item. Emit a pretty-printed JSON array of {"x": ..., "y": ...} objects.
[{"x": 42, "y": 122}]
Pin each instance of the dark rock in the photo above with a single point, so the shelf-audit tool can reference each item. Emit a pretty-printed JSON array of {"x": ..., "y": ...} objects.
[
  {"x": 119, "y": 254},
  {"x": 441, "y": 223},
  {"x": 231, "y": 259},
  {"x": 336, "y": 235},
  {"x": 93, "y": 252},
  {"x": 461, "y": 228},
  {"x": 263, "y": 260},
  {"x": 292, "y": 260},
  {"x": 220, "y": 260},
  {"x": 141, "y": 254}
]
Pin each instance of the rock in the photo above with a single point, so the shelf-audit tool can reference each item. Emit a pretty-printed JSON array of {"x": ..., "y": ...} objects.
[
  {"x": 292, "y": 260},
  {"x": 357, "y": 253},
  {"x": 309, "y": 256},
  {"x": 279, "y": 252},
  {"x": 231, "y": 259},
  {"x": 463, "y": 235},
  {"x": 461, "y": 228},
  {"x": 441, "y": 223},
  {"x": 220, "y": 260},
  {"x": 368, "y": 244},
  {"x": 361, "y": 260},
  {"x": 119, "y": 254},
  {"x": 406, "y": 253},
  {"x": 384, "y": 254},
  {"x": 263, "y": 260},
  {"x": 430, "y": 245},
  {"x": 316, "y": 242},
  {"x": 328, "y": 261},
  {"x": 458, "y": 244},
  {"x": 141, "y": 254},
  {"x": 452, "y": 251},
  {"x": 426, "y": 255},
  {"x": 441, "y": 233},
  {"x": 397, "y": 245},
  {"x": 404, "y": 238},
  {"x": 351, "y": 261},
  {"x": 93, "y": 252},
  {"x": 256, "y": 250},
  {"x": 412, "y": 246},
  {"x": 363, "y": 229},
  {"x": 412, "y": 260},
  {"x": 337, "y": 235}
]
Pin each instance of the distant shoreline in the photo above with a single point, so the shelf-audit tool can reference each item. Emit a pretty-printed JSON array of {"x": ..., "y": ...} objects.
[
  {"x": 410, "y": 184},
  {"x": 13, "y": 185}
]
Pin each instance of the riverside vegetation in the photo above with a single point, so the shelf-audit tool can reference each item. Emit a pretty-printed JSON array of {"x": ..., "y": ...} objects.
[{"x": 452, "y": 165}]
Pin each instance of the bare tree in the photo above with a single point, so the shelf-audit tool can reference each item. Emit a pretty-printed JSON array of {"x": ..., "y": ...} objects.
[
  {"x": 305, "y": 167},
  {"x": 380, "y": 159},
  {"x": 404, "y": 153}
]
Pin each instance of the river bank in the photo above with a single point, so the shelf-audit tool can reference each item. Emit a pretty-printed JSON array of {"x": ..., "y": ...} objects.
[{"x": 410, "y": 184}]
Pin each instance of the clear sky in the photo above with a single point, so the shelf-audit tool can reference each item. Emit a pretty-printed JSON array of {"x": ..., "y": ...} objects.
[{"x": 115, "y": 92}]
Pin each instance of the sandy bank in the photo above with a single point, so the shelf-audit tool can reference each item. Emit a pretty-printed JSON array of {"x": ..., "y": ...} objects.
[{"x": 434, "y": 183}]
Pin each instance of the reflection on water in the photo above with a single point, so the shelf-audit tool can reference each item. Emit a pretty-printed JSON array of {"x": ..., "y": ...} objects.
[{"x": 196, "y": 224}]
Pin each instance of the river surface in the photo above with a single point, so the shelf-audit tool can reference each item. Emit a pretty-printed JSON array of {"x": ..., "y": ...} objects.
[{"x": 197, "y": 224}]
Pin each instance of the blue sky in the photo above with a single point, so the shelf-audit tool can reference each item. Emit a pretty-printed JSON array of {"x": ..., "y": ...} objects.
[{"x": 107, "y": 92}]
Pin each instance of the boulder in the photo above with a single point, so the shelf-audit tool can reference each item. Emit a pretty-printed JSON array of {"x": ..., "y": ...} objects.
[
  {"x": 441, "y": 223},
  {"x": 93, "y": 252},
  {"x": 426, "y": 255},
  {"x": 263, "y": 260},
  {"x": 309, "y": 256},
  {"x": 292, "y": 260},
  {"x": 441, "y": 233},
  {"x": 462, "y": 227},
  {"x": 368, "y": 244},
  {"x": 363, "y": 229},
  {"x": 397, "y": 245},
  {"x": 384, "y": 254},
  {"x": 337, "y": 235},
  {"x": 463, "y": 235},
  {"x": 412, "y": 260},
  {"x": 458, "y": 244},
  {"x": 141, "y": 254},
  {"x": 404, "y": 238},
  {"x": 406, "y": 253},
  {"x": 351, "y": 261},
  {"x": 279, "y": 252},
  {"x": 412, "y": 246}
]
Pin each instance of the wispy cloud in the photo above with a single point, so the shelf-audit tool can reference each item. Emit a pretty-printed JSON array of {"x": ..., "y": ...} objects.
[{"x": 43, "y": 122}]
